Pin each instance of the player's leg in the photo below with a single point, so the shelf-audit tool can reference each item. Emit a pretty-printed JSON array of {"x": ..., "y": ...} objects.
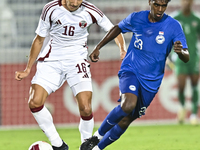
[
  {"x": 114, "y": 133},
  {"x": 43, "y": 84},
  {"x": 128, "y": 103},
  {"x": 43, "y": 117},
  {"x": 78, "y": 77},
  {"x": 109, "y": 129},
  {"x": 194, "y": 80},
  {"x": 144, "y": 98},
  {"x": 84, "y": 98},
  {"x": 181, "y": 86},
  {"x": 181, "y": 79}
]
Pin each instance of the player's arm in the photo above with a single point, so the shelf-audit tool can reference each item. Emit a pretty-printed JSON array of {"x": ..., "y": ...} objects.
[
  {"x": 183, "y": 54},
  {"x": 119, "y": 40},
  {"x": 34, "y": 52},
  {"x": 113, "y": 33},
  {"x": 106, "y": 24}
]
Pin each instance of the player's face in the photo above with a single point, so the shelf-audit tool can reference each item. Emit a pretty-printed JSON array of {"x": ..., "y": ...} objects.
[
  {"x": 158, "y": 8},
  {"x": 186, "y": 5},
  {"x": 72, "y": 5}
]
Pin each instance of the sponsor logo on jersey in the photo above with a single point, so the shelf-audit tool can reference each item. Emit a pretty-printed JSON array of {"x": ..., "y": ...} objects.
[
  {"x": 58, "y": 22},
  {"x": 132, "y": 87},
  {"x": 160, "y": 38},
  {"x": 83, "y": 24}
]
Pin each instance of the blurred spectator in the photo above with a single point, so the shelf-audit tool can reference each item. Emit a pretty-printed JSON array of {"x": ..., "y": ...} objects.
[
  {"x": 191, "y": 26},
  {"x": 8, "y": 31}
]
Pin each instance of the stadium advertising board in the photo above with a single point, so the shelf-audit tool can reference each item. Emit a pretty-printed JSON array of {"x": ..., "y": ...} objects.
[{"x": 14, "y": 97}]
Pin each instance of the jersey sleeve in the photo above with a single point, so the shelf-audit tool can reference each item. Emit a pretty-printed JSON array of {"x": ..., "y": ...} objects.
[
  {"x": 42, "y": 28},
  {"x": 98, "y": 16},
  {"x": 125, "y": 25},
  {"x": 45, "y": 19},
  {"x": 179, "y": 35},
  {"x": 105, "y": 23}
]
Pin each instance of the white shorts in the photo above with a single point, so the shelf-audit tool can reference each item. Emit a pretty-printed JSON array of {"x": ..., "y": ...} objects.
[{"x": 52, "y": 74}]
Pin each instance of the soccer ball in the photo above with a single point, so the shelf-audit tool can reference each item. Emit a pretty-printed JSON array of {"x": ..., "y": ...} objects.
[{"x": 40, "y": 145}]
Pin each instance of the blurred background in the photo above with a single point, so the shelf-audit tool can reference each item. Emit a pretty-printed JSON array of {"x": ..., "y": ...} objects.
[{"x": 18, "y": 22}]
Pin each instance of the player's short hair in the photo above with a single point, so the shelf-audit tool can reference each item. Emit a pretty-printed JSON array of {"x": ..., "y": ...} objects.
[{"x": 168, "y": 0}]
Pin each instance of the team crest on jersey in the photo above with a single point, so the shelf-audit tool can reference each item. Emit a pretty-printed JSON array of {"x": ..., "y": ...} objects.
[
  {"x": 160, "y": 39},
  {"x": 194, "y": 23},
  {"x": 83, "y": 24}
]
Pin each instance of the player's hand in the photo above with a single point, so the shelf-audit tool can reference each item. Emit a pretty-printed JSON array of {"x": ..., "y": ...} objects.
[
  {"x": 122, "y": 54},
  {"x": 183, "y": 54},
  {"x": 178, "y": 47},
  {"x": 19, "y": 75},
  {"x": 94, "y": 56}
]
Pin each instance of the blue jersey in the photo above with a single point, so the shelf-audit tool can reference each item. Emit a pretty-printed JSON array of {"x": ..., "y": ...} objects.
[{"x": 149, "y": 47}]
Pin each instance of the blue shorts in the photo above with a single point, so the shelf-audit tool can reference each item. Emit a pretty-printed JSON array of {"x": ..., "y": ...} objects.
[{"x": 128, "y": 83}]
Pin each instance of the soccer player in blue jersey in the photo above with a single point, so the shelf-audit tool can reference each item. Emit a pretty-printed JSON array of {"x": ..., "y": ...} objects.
[{"x": 142, "y": 69}]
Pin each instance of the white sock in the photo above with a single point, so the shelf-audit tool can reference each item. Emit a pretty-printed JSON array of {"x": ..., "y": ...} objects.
[
  {"x": 45, "y": 121},
  {"x": 98, "y": 135},
  {"x": 86, "y": 128}
]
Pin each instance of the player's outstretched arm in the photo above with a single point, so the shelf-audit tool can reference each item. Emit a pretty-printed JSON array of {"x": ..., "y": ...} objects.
[
  {"x": 34, "y": 52},
  {"x": 183, "y": 54},
  {"x": 119, "y": 40},
  {"x": 113, "y": 33}
]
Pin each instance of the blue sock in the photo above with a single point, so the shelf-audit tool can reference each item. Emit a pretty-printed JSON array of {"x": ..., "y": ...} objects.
[
  {"x": 111, "y": 136},
  {"x": 111, "y": 120}
]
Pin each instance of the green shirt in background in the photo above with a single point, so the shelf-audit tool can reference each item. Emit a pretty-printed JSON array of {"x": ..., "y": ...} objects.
[{"x": 191, "y": 28}]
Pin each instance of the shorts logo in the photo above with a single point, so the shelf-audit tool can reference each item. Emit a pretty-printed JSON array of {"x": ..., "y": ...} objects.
[
  {"x": 132, "y": 87},
  {"x": 83, "y": 24},
  {"x": 160, "y": 39}
]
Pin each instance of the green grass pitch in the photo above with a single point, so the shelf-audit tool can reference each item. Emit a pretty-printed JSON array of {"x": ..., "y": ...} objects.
[{"x": 152, "y": 137}]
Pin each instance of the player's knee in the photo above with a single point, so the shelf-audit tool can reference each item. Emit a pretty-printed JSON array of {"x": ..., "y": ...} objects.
[
  {"x": 85, "y": 111},
  {"x": 128, "y": 102},
  {"x": 128, "y": 106},
  {"x": 34, "y": 103}
]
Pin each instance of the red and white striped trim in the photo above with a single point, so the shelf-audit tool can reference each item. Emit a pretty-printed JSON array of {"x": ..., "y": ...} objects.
[
  {"x": 47, "y": 7},
  {"x": 92, "y": 7}
]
